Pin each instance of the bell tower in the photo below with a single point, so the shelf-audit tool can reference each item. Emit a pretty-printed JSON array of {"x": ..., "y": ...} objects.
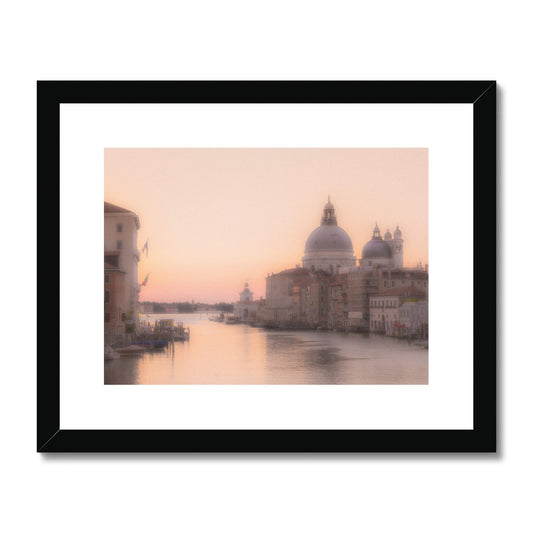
[{"x": 397, "y": 249}]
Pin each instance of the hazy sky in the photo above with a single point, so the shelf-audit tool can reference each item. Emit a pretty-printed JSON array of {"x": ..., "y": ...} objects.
[{"x": 216, "y": 217}]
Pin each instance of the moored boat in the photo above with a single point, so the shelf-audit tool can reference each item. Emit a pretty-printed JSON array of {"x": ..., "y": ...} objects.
[
  {"x": 151, "y": 344},
  {"x": 110, "y": 353},
  {"x": 131, "y": 349}
]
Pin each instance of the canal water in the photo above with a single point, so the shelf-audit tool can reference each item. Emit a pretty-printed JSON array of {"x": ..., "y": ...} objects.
[{"x": 240, "y": 354}]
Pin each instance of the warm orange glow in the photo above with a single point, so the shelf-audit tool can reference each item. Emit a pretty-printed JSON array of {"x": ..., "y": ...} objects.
[{"x": 216, "y": 217}]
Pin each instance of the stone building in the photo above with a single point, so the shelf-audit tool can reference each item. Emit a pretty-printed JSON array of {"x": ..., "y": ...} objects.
[
  {"x": 115, "y": 304},
  {"x": 387, "y": 311},
  {"x": 246, "y": 309},
  {"x": 414, "y": 316},
  {"x": 338, "y": 303},
  {"x": 121, "y": 257},
  {"x": 297, "y": 297}
]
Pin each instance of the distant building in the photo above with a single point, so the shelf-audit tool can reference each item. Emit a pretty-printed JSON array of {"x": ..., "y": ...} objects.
[
  {"x": 246, "y": 309},
  {"x": 387, "y": 311},
  {"x": 146, "y": 308},
  {"x": 121, "y": 257},
  {"x": 246, "y": 295}
]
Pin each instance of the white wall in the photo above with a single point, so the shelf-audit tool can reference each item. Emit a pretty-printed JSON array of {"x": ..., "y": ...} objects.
[{"x": 274, "y": 40}]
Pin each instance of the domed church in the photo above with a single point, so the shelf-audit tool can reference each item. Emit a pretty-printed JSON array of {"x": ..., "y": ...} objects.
[
  {"x": 386, "y": 252},
  {"x": 328, "y": 247}
]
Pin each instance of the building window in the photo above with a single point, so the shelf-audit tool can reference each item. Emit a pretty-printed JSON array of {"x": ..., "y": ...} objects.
[
  {"x": 393, "y": 283},
  {"x": 119, "y": 228},
  {"x": 112, "y": 259},
  {"x": 107, "y": 317},
  {"x": 119, "y": 245},
  {"x": 106, "y": 297},
  {"x": 106, "y": 278},
  {"x": 123, "y": 317}
]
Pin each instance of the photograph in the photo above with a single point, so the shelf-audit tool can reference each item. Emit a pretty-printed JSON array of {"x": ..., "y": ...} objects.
[
  {"x": 266, "y": 266},
  {"x": 274, "y": 280}
]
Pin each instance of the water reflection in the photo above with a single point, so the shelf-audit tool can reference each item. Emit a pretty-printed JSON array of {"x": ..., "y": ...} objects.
[{"x": 239, "y": 354}]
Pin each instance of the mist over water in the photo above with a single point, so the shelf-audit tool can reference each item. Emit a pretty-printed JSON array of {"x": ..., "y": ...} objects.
[{"x": 239, "y": 354}]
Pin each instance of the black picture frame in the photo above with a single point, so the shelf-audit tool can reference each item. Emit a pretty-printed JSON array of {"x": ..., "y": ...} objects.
[{"x": 481, "y": 94}]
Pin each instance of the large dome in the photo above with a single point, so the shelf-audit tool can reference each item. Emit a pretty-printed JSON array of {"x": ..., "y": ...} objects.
[
  {"x": 326, "y": 238},
  {"x": 328, "y": 247}
]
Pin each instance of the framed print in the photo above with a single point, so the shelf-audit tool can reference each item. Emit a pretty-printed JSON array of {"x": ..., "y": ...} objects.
[{"x": 288, "y": 266}]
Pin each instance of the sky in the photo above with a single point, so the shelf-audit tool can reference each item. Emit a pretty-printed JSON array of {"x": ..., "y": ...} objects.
[{"x": 217, "y": 217}]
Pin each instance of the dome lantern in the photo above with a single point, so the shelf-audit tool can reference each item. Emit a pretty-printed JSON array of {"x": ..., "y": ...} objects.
[
  {"x": 328, "y": 217},
  {"x": 376, "y": 235}
]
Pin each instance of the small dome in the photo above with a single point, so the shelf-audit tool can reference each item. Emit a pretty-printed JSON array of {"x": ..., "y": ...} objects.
[
  {"x": 387, "y": 236},
  {"x": 328, "y": 238},
  {"x": 397, "y": 233},
  {"x": 376, "y": 249}
]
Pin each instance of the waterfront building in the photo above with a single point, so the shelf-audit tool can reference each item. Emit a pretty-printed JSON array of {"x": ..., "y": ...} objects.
[
  {"x": 279, "y": 305},
  {"x": 246, "y": 309},
  {"x": 146, "y": 308},
  {"x": 415, "y": 316},
  {"x": 121, "y": 257},
  {"x": 297, "y": 297},
  {"x": 115, "y": 303},
  {"x": 338, "y": 302},
  {"x": 387, "y": 311},
  {"x": 363, "y": 283}
]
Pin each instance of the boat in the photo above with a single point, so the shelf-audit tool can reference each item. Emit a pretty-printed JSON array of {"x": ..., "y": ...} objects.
[
  {"x": 131, "y": 349},
  {"x": 230, "y": 320},
  {"x": 181, "y": 333},
  {"x": 168, "y": 331},
  {"x": 151, "y": 344},
  {"x": 110, "y": 353}
]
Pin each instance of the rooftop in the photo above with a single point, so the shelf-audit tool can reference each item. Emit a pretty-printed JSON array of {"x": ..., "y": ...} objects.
[
  {"x": 406, "y": 292},
  {"x": 112, "y": 208}
]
